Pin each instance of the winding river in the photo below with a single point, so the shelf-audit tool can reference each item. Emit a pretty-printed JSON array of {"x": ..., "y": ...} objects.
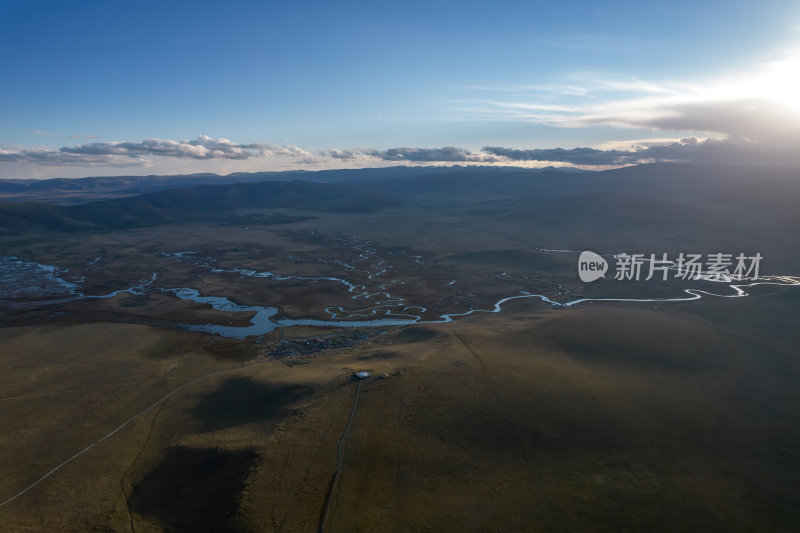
[{"x": 379, "y": 307}]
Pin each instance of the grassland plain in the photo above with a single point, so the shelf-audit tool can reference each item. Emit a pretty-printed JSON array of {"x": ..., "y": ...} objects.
[{"x": 602, "y": 418}]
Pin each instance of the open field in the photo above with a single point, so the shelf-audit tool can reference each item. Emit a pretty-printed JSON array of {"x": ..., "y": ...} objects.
[
  {"x": 656, "y": 416},
  {"x": 604, "y": 418}
]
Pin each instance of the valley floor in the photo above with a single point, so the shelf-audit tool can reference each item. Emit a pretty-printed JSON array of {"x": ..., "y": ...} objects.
[{"x": 602, "y": 418}]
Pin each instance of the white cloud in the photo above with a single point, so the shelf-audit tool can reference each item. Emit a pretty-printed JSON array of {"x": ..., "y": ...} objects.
[
  {"x": 132, "y": 154},
  {"x": 447, "y": 153},
  {"x": 759, "y": 106},
  {"x": 687, "y": 150}
]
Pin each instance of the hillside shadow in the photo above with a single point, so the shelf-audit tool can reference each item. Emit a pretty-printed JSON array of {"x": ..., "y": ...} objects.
[
  {"x": 194, "y": 489},
  {"x": 242, "y": 400}
]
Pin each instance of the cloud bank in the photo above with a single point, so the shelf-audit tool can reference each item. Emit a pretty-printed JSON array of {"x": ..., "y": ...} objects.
[
  {"x": 445, "y": 154},
  {"x": 132, "y": 154},
  {"x": 208, "y": 150},
  {"x": 687, "y": 150}
]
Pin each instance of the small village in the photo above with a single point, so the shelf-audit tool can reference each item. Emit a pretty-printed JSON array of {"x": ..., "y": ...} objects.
[{"x": 305, "y": 346}]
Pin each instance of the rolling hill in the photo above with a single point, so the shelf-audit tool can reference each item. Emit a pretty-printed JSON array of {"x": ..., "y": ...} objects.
[{"x": 187, "y": 204}]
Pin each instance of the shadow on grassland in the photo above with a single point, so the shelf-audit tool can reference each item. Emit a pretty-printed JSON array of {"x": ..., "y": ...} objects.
[
  {"x": 413, "y": 334},
  {"x": 243, "y": 400},
  {"x": 194, "y": 489}
]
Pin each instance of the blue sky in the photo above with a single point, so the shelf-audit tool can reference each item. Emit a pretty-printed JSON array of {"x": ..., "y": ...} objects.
[{"x": 100, "y": 88}]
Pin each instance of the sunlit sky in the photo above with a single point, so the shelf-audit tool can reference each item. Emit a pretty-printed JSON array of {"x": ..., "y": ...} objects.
[{"x": 106, "y": 88}]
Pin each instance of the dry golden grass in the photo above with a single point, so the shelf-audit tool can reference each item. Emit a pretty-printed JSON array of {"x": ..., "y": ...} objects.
[
  {"x": 594, "y": 419},
  {"x": 598, "y": 418}
]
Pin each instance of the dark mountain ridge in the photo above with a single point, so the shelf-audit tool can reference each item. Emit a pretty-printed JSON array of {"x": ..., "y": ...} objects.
[
  {"x": 646, "y": 195},
  {"x": 193, "y": 203},
  {"x": 70, "y": 191}
]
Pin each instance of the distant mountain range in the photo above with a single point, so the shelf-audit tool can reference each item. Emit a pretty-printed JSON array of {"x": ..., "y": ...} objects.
[
  {"x": 66, "y": 191},
  {"x": 658, "y": 205},
  {"x": 192, "y": 203}
]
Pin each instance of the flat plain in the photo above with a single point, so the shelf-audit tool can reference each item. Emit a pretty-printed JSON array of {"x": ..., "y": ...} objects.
[{"x": 604, "y": 416}]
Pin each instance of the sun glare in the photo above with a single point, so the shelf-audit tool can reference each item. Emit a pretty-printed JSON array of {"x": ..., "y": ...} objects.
[
  {"x": 777, "y": 81},
  {"x": 781, "y": 80}
]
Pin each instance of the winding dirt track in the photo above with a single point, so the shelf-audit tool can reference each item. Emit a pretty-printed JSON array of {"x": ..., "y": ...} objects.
[{"x": 335, "y": 481}]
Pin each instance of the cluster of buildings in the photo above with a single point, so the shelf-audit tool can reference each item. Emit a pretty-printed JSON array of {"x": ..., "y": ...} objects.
[{"x": 305, "y": 346}]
